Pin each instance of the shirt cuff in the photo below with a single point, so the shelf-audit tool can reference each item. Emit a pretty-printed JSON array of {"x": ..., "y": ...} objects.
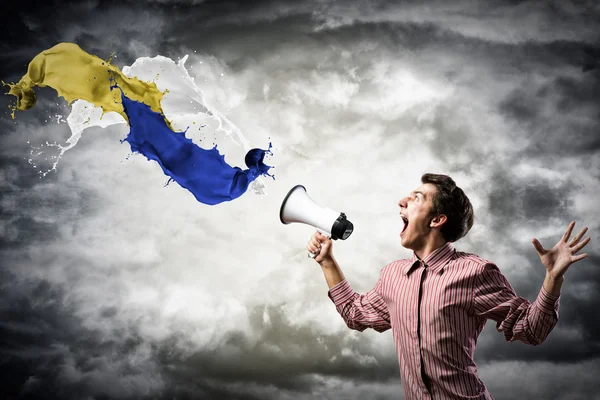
[
  {"x": 341, "y": 293},
  {"x": 547, "y": 302}
]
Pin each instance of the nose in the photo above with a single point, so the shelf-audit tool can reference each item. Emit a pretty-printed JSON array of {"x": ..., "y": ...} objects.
[{"x": 403, "y": 202}]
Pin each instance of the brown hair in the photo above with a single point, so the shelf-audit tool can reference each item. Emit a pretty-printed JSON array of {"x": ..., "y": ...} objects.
[{"x": 451, "y": 201}]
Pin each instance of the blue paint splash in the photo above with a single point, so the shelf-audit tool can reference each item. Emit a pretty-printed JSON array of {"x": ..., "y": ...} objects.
[{"x": 203, "y": 172}]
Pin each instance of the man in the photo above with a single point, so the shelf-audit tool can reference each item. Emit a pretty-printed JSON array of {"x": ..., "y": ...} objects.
[{"x": 438, "y": 301}]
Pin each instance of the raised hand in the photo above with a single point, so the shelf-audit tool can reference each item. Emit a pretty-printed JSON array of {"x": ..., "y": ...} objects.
[
  {"x": 564, "y": 253},
  {"x": 320, "y": 244}
]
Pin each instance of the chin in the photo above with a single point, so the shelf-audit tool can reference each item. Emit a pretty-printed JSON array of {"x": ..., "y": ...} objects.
[{"x": 404, "y": 243}]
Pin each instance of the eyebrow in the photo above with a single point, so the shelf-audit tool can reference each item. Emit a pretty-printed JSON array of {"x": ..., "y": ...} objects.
[{"x": 419, "y": 192}]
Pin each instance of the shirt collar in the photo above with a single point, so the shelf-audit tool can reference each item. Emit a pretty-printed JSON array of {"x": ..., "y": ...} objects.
[{"x": 435, "y": 261}]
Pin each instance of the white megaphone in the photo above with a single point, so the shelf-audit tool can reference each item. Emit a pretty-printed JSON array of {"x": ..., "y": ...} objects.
[{"x": 298, "y": 207}]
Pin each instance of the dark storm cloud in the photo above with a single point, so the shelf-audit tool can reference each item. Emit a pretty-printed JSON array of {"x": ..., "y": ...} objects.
[
  {"x": 46, "y": 352},
  {"x": 275, "y": 355},
  {"x": 513, "y": 198},
  {"x": 561, "y": 117},
  {"x": 97, "y": 26},
  {"x": 32, "y": 213}
]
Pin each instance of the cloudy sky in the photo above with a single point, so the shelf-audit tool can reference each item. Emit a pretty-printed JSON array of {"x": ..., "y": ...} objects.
[{"x": 113, "y": 286}]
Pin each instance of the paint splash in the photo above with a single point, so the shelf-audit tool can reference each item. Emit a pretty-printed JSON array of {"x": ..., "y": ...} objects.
[
  {"x": 84, "y": 78},
  {"x": 76, "y": 74},
  {"x": 203, "y": 172}
]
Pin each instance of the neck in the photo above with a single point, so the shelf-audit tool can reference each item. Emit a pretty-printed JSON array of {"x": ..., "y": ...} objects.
[{"x": 429, "y": 246}]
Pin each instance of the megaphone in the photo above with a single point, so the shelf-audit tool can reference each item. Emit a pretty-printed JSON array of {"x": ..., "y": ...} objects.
[{"x": 297, "y": 206}]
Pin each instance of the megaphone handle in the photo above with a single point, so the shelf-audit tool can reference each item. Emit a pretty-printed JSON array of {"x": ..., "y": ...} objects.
[{"x": 313, "y": 255}]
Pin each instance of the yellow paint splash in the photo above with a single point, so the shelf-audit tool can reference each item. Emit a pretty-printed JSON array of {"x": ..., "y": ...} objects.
[{"x": 76, "y": 74}]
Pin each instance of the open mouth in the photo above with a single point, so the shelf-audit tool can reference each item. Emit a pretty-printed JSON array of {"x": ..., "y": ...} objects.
[{"x": 405, "y": 220}]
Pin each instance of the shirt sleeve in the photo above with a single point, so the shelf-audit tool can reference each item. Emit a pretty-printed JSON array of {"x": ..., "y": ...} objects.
[
  {"x": 515, "y": 316},
  {"x": 361, "y": 311}
]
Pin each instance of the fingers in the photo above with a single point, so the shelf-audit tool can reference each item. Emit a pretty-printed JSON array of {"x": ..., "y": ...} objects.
[
  {"x": 319, "y": 237},
  {"x": 580, "y": 245},
  {"x": 578, "y": 237},
  {"x": 314, "y": 246},
  {"x": 538, "y": 246},
  {"x": 579, "y": 257},
  {"x": 568, "y": 231},
  {"x": 316, "y": 241}
]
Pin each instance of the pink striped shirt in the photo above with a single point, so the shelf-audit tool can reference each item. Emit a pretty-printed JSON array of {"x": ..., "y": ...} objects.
[{"x": 436, "y": 309}]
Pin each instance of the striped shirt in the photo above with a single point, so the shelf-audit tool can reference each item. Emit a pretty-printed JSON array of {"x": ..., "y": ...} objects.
[{"x": 436, "y": 308}]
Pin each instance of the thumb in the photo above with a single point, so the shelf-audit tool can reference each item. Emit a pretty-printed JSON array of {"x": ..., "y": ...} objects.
[
  {"x": 324, "y": 242},
  {"x": 538, "y": 247},
  {"x": 321, "y": 236}
]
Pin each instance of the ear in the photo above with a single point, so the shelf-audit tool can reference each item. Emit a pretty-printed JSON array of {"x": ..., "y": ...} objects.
[{"x": 438, "y": 221}]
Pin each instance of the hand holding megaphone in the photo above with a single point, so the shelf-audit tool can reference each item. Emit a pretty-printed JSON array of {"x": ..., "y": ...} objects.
[
  {"x": 319, "y": 245},
  {"x": 297, "y": 206}
]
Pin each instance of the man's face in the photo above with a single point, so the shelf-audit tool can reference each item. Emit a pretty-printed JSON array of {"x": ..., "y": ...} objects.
[{"x": 415, "y": 211}]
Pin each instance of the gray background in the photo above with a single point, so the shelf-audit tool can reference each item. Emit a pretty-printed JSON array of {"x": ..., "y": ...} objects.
[{"x": 114, "y": 286}]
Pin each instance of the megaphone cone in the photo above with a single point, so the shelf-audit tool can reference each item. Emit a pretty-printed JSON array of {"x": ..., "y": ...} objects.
[{"x": 297, "y": 206}]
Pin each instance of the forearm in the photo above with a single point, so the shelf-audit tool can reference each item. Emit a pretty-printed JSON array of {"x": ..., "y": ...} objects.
[
  {"x": 553, "y": 285},
  {"x": 332, "y": 272},
  {"x": 516, "y": 317},
  {"x": 359, "y": 311}
]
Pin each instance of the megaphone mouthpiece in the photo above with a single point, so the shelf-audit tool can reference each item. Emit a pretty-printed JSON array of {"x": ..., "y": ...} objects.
[{"x": 342, "y": 228}]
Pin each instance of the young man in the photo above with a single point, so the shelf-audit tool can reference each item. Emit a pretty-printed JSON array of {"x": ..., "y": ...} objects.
[{"x": 438, "y": 301}]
